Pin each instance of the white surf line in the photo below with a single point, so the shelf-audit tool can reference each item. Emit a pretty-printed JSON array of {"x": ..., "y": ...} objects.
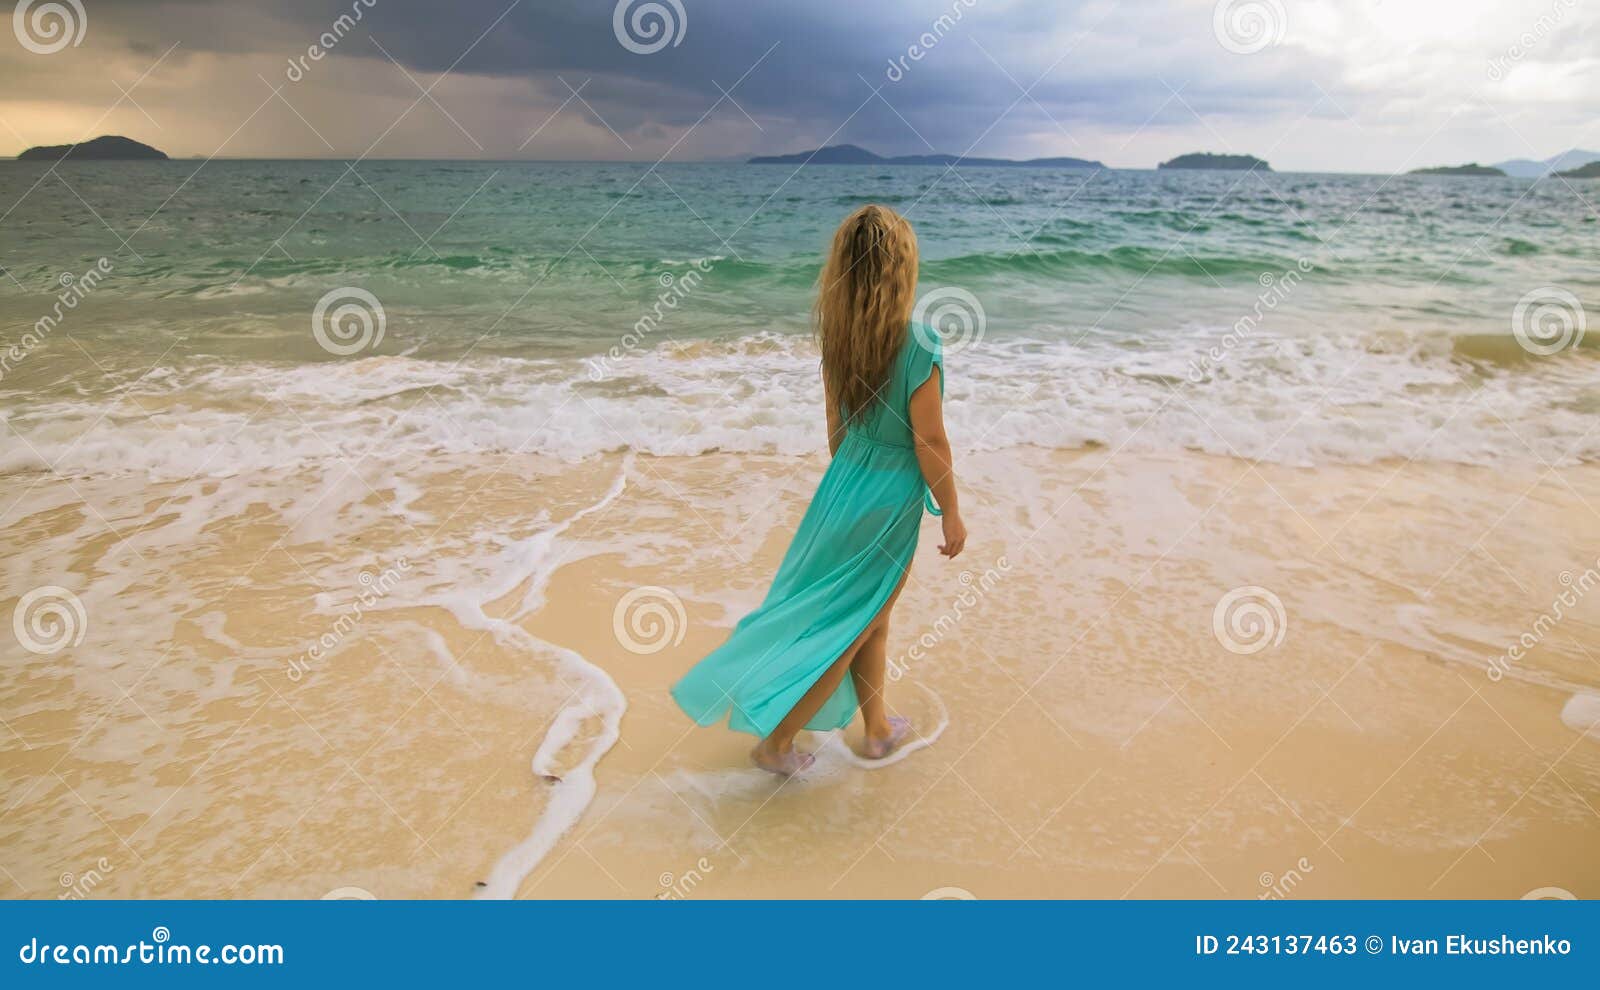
[
  {"x": 833, "y": 756},
  {"x": 1581, "y": 714},
  {"x": 1412, "y": 619},
  {"x": 835, "y": 740},
  {"x": 571, "y": 792}
]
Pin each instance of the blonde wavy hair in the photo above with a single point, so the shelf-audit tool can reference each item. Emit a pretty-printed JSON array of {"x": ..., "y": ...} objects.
[{"x": 864, "y": 301}]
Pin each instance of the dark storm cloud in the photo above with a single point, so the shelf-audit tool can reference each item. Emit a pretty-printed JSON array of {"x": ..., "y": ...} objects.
[
  {"x": 1358, "y": 86},
  {"x": 804, "y": 70}
]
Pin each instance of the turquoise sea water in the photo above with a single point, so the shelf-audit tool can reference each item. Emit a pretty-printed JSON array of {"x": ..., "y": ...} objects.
[{"x": 513, "y": 294}]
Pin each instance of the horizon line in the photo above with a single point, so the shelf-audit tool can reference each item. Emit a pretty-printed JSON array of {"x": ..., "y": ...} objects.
[
  {"x": 700, "y": 161},
  {"x": 647, "y": 162}
]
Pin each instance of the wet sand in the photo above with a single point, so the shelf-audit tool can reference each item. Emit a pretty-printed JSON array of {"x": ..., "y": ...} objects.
[{"x": 1086, "y": 729}]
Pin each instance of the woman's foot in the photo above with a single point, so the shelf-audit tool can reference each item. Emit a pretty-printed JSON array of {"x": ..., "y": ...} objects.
[
  {"x": 879, "y": 745},
  {"x": 785, "y": 763}
]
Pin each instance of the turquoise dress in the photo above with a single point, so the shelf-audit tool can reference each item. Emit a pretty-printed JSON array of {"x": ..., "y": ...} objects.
[{"x": 847, "y": 558}]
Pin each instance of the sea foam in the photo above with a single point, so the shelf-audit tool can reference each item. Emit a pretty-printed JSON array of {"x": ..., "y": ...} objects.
[{"x": 1299, "y": 401}]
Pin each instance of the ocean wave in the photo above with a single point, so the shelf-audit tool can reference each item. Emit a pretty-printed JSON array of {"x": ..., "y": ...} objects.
[
  {"x": 1138, "y": 260},
  {"x": 1050, "y": 254},
  {"x": 1352, "y": 399}
]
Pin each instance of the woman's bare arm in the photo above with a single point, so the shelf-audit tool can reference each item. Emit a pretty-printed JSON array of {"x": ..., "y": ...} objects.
[{"x": 935, "y": 459}]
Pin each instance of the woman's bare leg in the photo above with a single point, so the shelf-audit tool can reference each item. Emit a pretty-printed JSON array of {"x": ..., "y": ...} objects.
[
  {"x": 870, "y": 668},
  {"x": 781, "y": 741}
]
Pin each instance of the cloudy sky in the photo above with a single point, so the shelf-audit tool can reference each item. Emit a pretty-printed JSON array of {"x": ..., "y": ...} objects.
[{"x": 1340, "y": 85}]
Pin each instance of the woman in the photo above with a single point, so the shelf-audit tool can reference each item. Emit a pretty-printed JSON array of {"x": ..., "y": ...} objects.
[{"x": 827, "y": 613}]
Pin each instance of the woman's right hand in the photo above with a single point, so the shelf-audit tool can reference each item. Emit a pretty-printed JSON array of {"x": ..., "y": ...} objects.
[{"x": 955, "y": 534}]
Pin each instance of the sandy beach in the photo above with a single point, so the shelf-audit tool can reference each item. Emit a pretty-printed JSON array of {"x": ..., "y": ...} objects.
[
  {"x": 413, "y": 417},
  {"x": 1096, "y": 719}
]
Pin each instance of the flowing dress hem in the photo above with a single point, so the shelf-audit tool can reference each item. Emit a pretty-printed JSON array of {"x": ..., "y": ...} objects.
[{"x": 728, "y": 711}]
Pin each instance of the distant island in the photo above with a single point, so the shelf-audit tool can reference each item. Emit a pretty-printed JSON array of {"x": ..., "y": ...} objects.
[
  {"x": 1472, "y": 168},
  {"x": 101, "y": 149},
  {"x": 1204, "y": 159},
  {"x": 850, "y": 154},
  {"x": 1589, "y": 171},
  {"x": 1524, "y": 168}
]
